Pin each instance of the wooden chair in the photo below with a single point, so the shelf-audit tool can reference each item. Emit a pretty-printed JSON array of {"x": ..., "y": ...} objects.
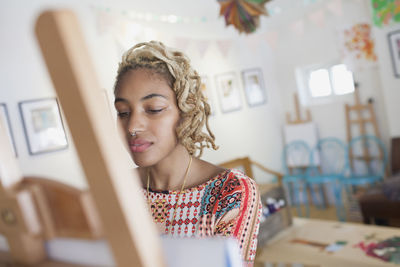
[
  {"x": 246, "y": 163},
  {"x": 64, "y": 211}
]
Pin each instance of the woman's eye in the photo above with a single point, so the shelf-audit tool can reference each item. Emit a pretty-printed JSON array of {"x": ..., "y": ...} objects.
[
  {"x": 123, "y": 114},
  {"x": 154, "y": 111}
]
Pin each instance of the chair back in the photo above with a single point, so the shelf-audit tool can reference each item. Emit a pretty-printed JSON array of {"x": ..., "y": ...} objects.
[
  {"x": 296, "y": 157},
  {"x": 367, "y": 156},
  {"x": 243, "y": 164},
  {"x": 332, "y": 157}
]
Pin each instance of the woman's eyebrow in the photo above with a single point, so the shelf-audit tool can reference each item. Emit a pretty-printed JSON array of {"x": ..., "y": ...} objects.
[
  {"x": 151, "y": 96},
  {"x": 120, "y": 99}
]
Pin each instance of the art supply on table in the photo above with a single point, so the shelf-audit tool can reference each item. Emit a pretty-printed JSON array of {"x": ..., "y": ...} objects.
[
  {"x": 310, "y": 243},
  {"x": 386, "y": 250}
]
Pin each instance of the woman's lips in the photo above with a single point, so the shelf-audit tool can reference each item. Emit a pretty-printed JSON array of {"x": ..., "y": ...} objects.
[{"x": 139, "y": 145}]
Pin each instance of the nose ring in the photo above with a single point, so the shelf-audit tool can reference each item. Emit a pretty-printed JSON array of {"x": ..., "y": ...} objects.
[{"x": 133, "y": 134}]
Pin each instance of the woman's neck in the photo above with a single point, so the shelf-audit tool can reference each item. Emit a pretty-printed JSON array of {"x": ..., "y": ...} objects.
[{"x": 169, "y": 173}]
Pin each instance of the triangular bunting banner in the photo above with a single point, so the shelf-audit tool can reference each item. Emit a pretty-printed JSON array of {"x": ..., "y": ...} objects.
[
  {"x": 335, "y": 6},
  {"x": 252, "y": 42},
  {"x": 202, "y": 46},
  {"x": 272, "y": 39},
  {"x": 104, "y": 21},
  {"x": 182, "y": 43},
  {"x": 298, "y": 27},
  {"x": 224, "y": 46},
  {"x": 318, "y": 18}
]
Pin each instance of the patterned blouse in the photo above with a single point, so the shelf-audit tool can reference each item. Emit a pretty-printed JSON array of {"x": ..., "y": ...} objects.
[{"x": 228, "y": 205}]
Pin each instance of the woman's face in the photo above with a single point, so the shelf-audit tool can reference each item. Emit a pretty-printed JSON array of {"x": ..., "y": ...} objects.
[{"x": 146, "y": 104}]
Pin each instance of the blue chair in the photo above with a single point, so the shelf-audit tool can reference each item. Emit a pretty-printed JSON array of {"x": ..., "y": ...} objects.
[
  {"x": 295, "y": 162},
  {"x": 367, "y": 162},
  {"x": 328, "y": 163}
]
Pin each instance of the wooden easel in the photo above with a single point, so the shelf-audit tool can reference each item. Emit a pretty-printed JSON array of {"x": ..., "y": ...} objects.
[
  {"x": 126, "y": 223},
  {"x": 360, "y": 121},
  {"x": 298, "y": 119}
]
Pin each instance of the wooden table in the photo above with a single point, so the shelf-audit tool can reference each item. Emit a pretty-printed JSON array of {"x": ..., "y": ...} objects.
[{"x": 281, "y": 249}]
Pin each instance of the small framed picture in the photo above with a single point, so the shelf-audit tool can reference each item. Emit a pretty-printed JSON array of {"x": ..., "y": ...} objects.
[
  {"x": 394, "y": 47},
  {"x": 228, "y": 92},
  {"x": 6, "y": 121},
  {"x": 43, "y": 126},
  {"x": 253, "y": 84},
  {"x": 206, "y": 91}
]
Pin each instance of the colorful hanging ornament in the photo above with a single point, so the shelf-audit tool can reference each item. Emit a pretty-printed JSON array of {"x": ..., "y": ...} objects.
[{"x": 243, "y": 14}]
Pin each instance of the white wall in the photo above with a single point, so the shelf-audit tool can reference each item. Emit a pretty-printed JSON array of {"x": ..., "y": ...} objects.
[
  {"x": 321, "y": 44},
  {"x": 251, "y": 131},
  {"x": 24, "y": 77},
  {"x": 390, "y": 84}
]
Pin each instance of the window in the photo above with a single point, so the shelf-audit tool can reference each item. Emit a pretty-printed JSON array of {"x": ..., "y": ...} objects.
[
  {"x": 342, "y": 80},
  {"x": 319, "y": 83},
  {"x": 322, "y": 83}
]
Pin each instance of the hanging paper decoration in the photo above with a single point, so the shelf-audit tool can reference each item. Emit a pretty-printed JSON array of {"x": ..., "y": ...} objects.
[
  {"x": 358, "y": 41},
  {"x": 385, "y": 12},
  {"x": 335, "y": 6},
  {"x": 318, "y": 18},
  {"x": 244, "y": 15}
]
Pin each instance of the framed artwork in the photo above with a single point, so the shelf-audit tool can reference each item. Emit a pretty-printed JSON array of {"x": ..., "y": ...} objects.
[
  {"x": 43, "y": 126},
  {"x": 6, "y": 120},
  {"x": 205, "y": 89},
  {"x": 394, "y": 47},
  {"x": 228, "y": 92},
  {"x": 253, "y": 85}
]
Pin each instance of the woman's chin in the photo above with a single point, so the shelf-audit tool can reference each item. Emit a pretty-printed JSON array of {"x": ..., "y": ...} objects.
[{"x": 142, "y": 162}]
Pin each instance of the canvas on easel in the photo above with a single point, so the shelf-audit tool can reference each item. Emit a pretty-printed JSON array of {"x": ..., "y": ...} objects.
[{"x": 301, "y": 129}]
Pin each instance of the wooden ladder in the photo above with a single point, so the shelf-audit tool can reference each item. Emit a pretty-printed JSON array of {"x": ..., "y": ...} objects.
[{"x": 362, "y": 122}]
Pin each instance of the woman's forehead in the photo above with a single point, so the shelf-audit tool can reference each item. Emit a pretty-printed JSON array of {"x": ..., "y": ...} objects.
[{"x": 142, "y": 83}]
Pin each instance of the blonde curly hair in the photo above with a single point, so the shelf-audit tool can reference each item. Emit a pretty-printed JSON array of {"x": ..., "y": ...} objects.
[{"x": 175, "y": 67}]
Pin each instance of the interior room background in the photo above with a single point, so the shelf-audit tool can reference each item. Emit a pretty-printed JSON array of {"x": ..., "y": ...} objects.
[{"x": 297, "y": 34}]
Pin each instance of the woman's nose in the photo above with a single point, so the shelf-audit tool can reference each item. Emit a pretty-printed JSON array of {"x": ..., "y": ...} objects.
[{"x": 136, "y": 122}]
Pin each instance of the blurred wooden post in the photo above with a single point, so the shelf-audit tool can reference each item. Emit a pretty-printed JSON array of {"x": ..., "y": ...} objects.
[{"x": 115, "y": 188}]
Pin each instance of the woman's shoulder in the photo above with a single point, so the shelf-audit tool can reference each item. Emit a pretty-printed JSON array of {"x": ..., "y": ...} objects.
[
  {"x": 230, "y": 181},
  {"x": 231, "y": 175}
]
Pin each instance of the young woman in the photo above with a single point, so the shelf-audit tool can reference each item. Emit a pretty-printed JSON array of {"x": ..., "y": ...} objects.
[{"x": 163, "y": 113}]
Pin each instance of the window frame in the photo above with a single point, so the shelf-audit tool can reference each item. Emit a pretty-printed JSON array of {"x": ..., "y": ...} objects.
[{"x": 302, "y": 77}]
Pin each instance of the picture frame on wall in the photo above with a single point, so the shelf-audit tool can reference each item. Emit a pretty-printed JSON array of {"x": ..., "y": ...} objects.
[
  {"x": 253, "y": 84},
  {"x": 206, "y": 91},
  {"x": 394, "y": 47},
  {"x": 228, "y": 92},
  {"x": 43, "y": 125},
  {"x": 7, "y": 124}
]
